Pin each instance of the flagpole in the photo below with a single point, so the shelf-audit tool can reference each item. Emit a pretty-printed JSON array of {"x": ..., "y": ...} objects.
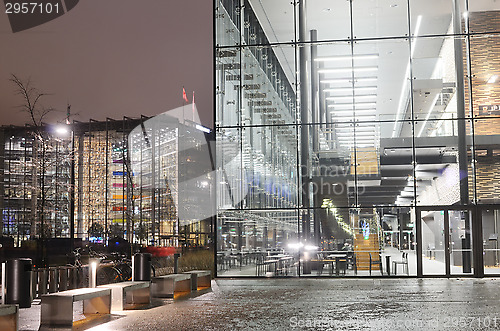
[
  {"x": 193, "y": 106},
  {"x": 184, "y": 98}
]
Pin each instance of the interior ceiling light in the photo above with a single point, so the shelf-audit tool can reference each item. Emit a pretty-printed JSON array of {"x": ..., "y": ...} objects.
[
  {"x": 351, "y": 111},
  {"x": 351, "y": 105},
  {"x": 359, "y": 126},
  {"x": 357, "y": 139},
  {"x": 348, "y": 57},
  {"x": 405, "y": 86},
  {"x": 355, "y": 69},
  {"x": 349, "y": 89},
  {"x": 350, "y": 134},
  {"x": 361, "y": 117},
  {"x": 492, "y": 79},
  {"x": 349, "y": 80},
  {"x": 428, "y": 115},
  {"x": 350, "y": 129},
  {"x": 349, "y": 98}
]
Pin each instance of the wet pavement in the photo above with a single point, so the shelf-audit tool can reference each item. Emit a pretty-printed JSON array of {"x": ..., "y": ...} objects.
[{"x": 318, "y": 304}]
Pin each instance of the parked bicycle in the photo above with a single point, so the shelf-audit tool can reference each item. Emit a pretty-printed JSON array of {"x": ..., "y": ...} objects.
[
  {"x": 106, "y": 272},
  {"x": 111, "y": 268}
]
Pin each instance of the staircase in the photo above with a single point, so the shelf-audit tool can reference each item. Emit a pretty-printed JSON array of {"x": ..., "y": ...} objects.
[{"x": 363, "y": 247}]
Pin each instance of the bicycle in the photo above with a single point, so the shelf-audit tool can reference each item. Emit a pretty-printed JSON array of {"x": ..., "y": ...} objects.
[
  {"x": 124, "y": 266},
  {"x": 106, "y": 272}
]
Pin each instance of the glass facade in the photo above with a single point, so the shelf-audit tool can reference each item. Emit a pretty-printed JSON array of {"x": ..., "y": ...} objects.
[
  {"x": 148, "y": 181},
  {"x": 357, "y": 138},
  {"x": 35, "y": 182}
]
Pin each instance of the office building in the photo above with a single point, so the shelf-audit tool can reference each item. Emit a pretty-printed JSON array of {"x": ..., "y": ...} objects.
[{"x": 367, "y": 133}]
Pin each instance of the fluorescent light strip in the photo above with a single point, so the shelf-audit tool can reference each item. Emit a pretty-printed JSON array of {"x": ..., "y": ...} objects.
[
  {"x": 365, "y": 79},
  {"x": 492, "y": 79},
  {"x": 350, "y": 111},
  {"x": 364, "y": 127},
  {"x": 357, "y": 130},
  {"x": 358, "y": 69},
  {"x": 349, "y": 89},
  {"x": 367, "y": 96},
  {"x": 351, "y": 134},
  {"x": 347, "y": 57},
  {"x": 361, "y": 118},
  {"x": 349, "y": 80},
  {"x": 407, "y": 74},
  {"x": 417, "y": 31},
  {"x": 368, "y": 139},
  {"x": 428, "y": 114},
  {"x": 351, "y": 105}
]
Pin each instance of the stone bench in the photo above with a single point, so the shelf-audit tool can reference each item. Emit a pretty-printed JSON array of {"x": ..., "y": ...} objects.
[
  {"x": 57, "y": 308},
  {"x": 126, "y": 295},
  {"x": 9, "y": 317},
  {"x": 168, "y": 285},
  {"x": 200, "y": 279}
]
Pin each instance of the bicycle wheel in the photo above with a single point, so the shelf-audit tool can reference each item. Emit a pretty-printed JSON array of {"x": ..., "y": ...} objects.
[
  {"x": 107, "y": 275},
  {"x": 125, "y": 271}
]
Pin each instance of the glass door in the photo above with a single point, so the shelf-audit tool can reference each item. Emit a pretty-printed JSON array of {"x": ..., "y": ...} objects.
[
  {"x": 433, "y": 241},
  {"x": 445, "y": 242},
  {"x": 491, "y": 247},
  {"x": 460, "y": 242}
]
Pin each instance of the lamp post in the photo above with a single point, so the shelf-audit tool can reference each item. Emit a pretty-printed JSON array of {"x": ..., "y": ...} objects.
[{"x": 64, "y": 130}]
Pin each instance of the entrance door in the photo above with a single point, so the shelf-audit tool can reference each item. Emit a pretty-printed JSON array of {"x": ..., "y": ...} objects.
[
  {"x": 445, "y": 242},
  {"x": 460, "y": 243}
]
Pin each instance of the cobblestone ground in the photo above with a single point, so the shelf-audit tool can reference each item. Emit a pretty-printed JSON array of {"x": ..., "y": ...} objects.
[{"x": 316, "y": 304}]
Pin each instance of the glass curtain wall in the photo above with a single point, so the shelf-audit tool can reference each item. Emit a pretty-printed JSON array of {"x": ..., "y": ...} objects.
[
  {"x": 336, "y": 121},
  {"x": 35, "y": 184}
]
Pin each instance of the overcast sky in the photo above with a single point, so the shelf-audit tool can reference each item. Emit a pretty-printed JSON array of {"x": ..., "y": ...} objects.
[{"x": 112, "y": 58}]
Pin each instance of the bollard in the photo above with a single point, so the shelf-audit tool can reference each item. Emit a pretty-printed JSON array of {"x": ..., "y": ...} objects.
[
  {"x": 53, "y": 279},
  {"x": 42, "y": 282},
  {"x": 63, "y": 278},
  {"x": 93, "y": 264},
  {"x": 73, "y": 277},
  {"x": 141, "y": 267},
  {"x": 18, "y": 282},
  {"x": 34, "y": 283},
  {"x": 176, "y": 262}
]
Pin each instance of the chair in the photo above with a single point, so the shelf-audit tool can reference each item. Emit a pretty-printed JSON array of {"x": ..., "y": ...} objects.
[
  {"x": 351, "y": 261},
  {"x": 403, "y": 262},
  {"x": 379, "y": 263}
]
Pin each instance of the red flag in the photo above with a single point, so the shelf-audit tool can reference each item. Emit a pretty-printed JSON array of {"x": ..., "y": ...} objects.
[{"x": 184, "y": 95}]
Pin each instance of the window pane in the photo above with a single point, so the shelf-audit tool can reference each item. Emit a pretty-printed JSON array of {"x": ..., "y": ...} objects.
[
  {"x": 330, "y": 19},
  {"x": 483, "y": 16},
  {"x": 443, "y": 175},
  {"x": 268, "y": 95},
  {"x": 253, "y": 243},
  {"x": 227, "y": 23},
  {"x": 434, "y": 17},
  {"x": 435, "y": 80},
  {"x": 383, "y": 18},
  {"x": 268, "y": 21}
]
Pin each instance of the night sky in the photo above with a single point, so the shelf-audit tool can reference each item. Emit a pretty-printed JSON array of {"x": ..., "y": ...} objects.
[{"x": 112, "y": 58}]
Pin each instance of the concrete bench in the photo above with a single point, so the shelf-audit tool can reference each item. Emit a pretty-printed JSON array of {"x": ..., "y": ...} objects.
[
  {"x": 9, "y": 317},
  {"x": 57, "y": 308},
  {"x": 168, "y": 285},
  {"x": 126, "y": 295},
  {"x": 200, "y": 279}
]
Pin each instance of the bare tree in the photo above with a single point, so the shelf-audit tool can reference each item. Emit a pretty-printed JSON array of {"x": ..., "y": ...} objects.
[
  {"x": 32, "y": 104},
  {"x": 44, "y": 147}
]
